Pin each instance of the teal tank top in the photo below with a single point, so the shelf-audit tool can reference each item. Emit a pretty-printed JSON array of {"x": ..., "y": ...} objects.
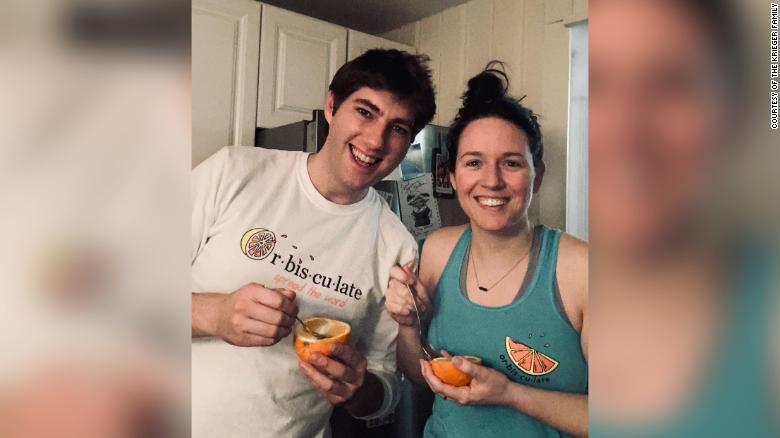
[
  {"x": 736, "y": 398},
  {"x": 530, "y": 340}
]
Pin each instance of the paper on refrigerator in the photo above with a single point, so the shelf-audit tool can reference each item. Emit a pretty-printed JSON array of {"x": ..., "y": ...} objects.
[{"x": 419, "y": 209}]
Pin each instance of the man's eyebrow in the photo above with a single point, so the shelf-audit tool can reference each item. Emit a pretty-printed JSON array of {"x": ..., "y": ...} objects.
[
  {"x": 403, "y": 121},
  {"x": 371, "y": 105},
  {"x": 374, "y": 108}
]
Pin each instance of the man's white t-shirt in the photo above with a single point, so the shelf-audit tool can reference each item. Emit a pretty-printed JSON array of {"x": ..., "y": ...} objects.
[{"x": 257, "y": 217}]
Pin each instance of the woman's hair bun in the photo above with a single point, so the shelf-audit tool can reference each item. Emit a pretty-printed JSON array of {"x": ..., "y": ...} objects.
[
  {"x": 489, "y": 85},
  {"x": 488, "y": 96}
]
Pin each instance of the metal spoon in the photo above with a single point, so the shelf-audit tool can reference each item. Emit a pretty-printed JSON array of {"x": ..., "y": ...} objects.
[
  {"x": 427, "y": 348},
  {"x": 310, "y": 331}
]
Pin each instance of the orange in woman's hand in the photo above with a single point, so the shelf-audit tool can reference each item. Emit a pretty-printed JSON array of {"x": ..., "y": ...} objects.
[
  {"x": 305, "y": 343},
  {"x": 446, "y": 371}
]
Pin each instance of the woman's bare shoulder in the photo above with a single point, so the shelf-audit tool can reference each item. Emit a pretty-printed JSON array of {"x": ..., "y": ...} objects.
[
  {"x": 572, "y": 269},
  {"x": 574, "y": 248},
  {"x": 444, "y": 237},
  {"x": 436, "y": 251}
]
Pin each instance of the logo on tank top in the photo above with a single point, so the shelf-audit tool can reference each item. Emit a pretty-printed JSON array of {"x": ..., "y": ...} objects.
[{"x": 530, "y": 361}]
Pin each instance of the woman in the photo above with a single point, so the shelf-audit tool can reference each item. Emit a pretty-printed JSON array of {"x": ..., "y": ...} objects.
[{"x": 499, "y": 288}]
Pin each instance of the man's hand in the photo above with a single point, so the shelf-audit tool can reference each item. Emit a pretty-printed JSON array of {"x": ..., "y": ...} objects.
[
  {"x": 339, "y": 376},
  {"x": 255, "y": 316}
]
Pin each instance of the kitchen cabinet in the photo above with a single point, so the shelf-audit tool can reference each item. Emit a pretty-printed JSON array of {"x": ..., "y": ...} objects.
[
  {"x": 359, "y": 42},
  {"x": 298, "y": 57},
  {"x": 258, "y": 66},
  {"x": 444, "y": 37},
  {"x": 225, "y": 44}
]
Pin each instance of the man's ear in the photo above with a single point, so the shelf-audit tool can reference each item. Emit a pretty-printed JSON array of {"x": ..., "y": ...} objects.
[
  {"x": 329, "y": 107},
  {"x": 540, "y": 168}
]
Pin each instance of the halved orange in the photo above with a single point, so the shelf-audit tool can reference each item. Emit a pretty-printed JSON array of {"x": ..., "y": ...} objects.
[
  {"x": 448, "y": 373},
  {"x": 305, "y": 343},
  {"x": 529, "y": 360},
  {"x": 258, "y": 243}
]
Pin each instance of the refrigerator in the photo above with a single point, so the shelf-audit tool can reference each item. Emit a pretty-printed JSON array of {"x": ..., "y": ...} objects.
[
  {"x": 418, "y": 192},
  {"x": 306, "y": 135}
]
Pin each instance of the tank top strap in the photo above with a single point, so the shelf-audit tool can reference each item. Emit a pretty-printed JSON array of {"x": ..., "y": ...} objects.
[
  {"x": 548, "y": 256},
  {"x": 459, "y": 252},
  {"x": 448, "y": 281}
]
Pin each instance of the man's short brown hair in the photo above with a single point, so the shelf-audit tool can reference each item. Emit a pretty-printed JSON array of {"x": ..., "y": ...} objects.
[{"x": 403, "y": 74}]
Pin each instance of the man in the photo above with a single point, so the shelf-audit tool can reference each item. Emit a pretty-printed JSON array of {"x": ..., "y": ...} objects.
[{"x": 278, "y": 234}]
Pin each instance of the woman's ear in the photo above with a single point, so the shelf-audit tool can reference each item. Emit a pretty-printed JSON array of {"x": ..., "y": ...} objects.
[
  {"x": 451, "y": 175},
  {"x": 540, "y": 168}
]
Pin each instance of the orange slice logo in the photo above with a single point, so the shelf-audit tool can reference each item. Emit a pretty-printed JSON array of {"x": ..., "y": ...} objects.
[
  {"x": 257, "y": 243},
  {"x": 529, "y": 360}
]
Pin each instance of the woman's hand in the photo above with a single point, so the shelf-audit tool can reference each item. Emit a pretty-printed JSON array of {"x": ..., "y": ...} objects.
[
  {"x": 564, "y": 411},
  {"x": 398, "y": 301},
  {"x": 487, "y": 387}
]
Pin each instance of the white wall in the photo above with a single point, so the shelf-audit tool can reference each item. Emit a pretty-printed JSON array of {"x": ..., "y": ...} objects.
[
  {"x": 577, "y": 148},
  {"x": 531, "y": 38}
]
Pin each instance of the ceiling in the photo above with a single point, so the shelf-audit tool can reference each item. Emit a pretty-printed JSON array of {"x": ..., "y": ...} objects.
[{"x": 370, "y": 16}]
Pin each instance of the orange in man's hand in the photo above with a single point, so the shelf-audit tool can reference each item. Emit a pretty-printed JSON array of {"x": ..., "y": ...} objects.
[
  {"x": 337, "y": 332},
  {"x": 446, "y": 371}
]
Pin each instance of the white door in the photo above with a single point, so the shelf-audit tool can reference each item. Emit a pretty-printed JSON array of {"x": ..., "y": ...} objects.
[
  {"x": 225, "y": 45},
  {"x": 298, "y": 57},
  {"x": 359, "y": 42}
]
